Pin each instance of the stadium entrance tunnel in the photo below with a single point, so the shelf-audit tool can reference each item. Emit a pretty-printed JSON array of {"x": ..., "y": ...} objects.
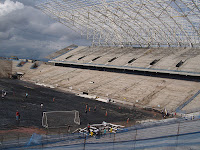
[
  {"x": 180, "y": 63},
  {"x": 81, "y": 57},
  {"x": 35, "y": 65},
  {"x": 134, "y": 71},
  {"x": 132, "y": 60},
  {"x": 96, "y": 58},
  {"x": 112, "y": 59},
  {"x": 22, "y": 63},
  {"x": 154, "y": 62},
  {"x": 69, "y": 57}
]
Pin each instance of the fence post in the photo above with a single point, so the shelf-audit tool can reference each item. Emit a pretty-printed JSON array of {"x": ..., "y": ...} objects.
[
  {"x": 2, "y": 141},
  {"x": 135, "y": 138},
  {"x": 113, "y": 140},
  {"x": 42, "y": 142},
  {"x": 59, "y": 133},
  {"x": 18, "y": 138},
  {"x": 177, "y": 134},
  {"x": 47, "y": 132},
  {"x": 84, "y": 142}
]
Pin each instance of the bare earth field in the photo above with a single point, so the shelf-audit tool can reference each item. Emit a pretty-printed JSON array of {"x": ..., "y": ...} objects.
[{"x": 31, "y": 112}]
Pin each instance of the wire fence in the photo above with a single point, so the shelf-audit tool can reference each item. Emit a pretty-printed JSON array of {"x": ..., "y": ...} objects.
[{"x": 174, "y": 133}]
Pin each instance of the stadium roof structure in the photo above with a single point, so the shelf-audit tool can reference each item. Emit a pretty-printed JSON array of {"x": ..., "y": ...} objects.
[{"x": 140, "y": 23}]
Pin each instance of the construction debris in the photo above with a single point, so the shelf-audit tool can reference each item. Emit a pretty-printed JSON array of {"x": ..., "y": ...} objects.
[{"x": 99, "y": 129}]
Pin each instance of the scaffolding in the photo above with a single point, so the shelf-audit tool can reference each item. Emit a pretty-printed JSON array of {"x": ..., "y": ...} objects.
[{"x": 137, "y": 23}]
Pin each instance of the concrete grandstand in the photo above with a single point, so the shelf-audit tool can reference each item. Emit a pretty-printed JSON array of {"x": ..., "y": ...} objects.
[
  {"x": 125, "y": 34},
  {"x": 138, "y": 83},
  {"x": 142, "y": 89},
  {"x": 144, "y": 54}
]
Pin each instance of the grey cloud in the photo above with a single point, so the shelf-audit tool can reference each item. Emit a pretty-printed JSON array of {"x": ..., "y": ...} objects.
[
  {"x": 9, "y": 6},
  {"x": 27, "y": 2},
  {"x": 29, "y": 33},
  {"x": 5, "y": 36}
]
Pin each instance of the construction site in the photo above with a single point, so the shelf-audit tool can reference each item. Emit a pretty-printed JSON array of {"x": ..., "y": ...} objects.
[{"x": 136, "y": 87}]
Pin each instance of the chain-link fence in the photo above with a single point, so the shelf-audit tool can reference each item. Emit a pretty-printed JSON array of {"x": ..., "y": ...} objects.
[{"x": 166, "y": 134}]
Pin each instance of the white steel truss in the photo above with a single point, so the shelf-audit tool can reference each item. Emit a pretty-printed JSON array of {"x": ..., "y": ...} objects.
[{"x": 141, "y": 23}]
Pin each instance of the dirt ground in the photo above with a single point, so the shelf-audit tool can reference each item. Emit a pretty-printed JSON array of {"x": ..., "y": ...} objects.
[{"x": 31, "y": 112}]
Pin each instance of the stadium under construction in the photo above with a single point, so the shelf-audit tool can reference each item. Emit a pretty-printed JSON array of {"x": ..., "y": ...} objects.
[{"x": 143, "y": 62}]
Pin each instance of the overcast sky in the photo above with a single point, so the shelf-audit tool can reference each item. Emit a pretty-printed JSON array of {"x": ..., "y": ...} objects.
[{"x": 27, "y": 32}]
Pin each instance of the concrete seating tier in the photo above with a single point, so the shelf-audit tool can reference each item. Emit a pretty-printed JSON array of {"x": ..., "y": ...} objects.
[
  {"x": 143, "y": 91},
  {"x": 172, "y": 59},
  {"x": 5, "y": 68}
]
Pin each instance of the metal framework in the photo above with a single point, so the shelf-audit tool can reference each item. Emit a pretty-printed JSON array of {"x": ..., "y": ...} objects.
[{"x": 140, "y": 23}]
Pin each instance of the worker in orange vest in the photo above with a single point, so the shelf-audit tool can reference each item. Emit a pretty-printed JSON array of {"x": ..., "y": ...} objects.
[
  {"x": 17, "y": 116},
  {"x": 106, "y": 114}
]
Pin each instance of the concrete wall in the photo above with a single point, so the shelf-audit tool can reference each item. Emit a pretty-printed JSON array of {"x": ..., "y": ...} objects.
[{"x": 5, "y": 68}]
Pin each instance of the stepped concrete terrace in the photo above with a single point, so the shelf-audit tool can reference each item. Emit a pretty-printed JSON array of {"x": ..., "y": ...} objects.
[
  {"x": 24, "y": 69},
  {"x": 169, "y": 60},
  {"x": 61, "y": 52},
  {"x": 193, "y": 105},
  {"x": 139, "y": 90}
]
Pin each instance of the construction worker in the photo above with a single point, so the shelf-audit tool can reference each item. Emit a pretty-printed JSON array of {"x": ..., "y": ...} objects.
[
  {"x": 106, "y": 113},
  {"x": 26, "y": 95},
  {"x": 91, "y": 133},
  {"x": 127, "y": 120},
  {"x": 95, "y": 108},
  {"x": 104, "y": 131},
  {"x": 2, "y": 96},
  {"x": 17, "y": 116},
  {"x": 88, "y": 127},
  {"x": 111, "y": 130},
  {"x": 68, "y": 128},
  {"x": 41, "y": 105}
]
